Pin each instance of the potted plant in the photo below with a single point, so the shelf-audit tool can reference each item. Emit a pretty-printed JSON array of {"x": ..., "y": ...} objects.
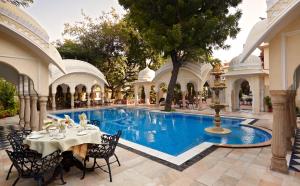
[{"x": 268, "y": 102}]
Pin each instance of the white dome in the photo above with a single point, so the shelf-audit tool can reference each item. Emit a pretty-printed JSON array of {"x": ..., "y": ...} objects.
[
  {"x": 146, "y": 75},
  {"x": 23, "y": 19},
  {"x": 252, "y": 62},
  {"x": 75, "y": 66}
]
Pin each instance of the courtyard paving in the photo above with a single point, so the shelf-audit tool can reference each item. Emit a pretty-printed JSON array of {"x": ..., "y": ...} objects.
[{"x": 224, "y": 166}]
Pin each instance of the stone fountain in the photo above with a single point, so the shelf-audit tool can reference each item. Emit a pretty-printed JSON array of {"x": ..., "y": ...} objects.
[{"x": 217, "y": 106}]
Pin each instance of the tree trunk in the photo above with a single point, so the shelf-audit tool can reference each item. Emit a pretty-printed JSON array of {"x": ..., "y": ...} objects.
[
  {"x": 173, "y": 80},
  {"x": 112, "y": 96}
]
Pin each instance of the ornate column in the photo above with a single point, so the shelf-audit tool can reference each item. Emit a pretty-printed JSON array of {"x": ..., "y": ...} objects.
[
  {"x": 199, "y": 97},
  {"x": 53, "y": 97},
  {"x": 33, "y": 114},
  {"x": 22, "y": 110},
  {"x": 22, "y": 102},
  {"x": 27, "y": 102},
  {"x": 43, "y": 110},
  {"x": 147, "y": 94},
  {"x": 157, "y": 99},
  {"x": 183, "y": 99},
  {"x": 27, "y": 111},
  {"x": 72, "y": 92},
  {"x": 136, "y": 94},
  {"x": 88, "y": 99},
  {"x": 279, "y": 150}
]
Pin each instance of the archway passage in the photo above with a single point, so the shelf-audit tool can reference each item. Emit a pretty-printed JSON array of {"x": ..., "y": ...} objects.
[
  {"x": 245, "y": 96},
  {"x": 242, "y": 96},
  {"x": 96, "y": 95},
  {"x": 80, "y": 96},
  {"x": 63, "y": 96}
]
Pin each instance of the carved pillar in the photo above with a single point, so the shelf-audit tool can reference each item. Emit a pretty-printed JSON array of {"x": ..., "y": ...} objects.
[
  {"x": 43, "y": 110},
  {"x": 72, "y": 92},
  {"x": 279, "y": 150},
  {"x": 22, "y": 102},
  {"x": 33, "y": 114},
  {"x": 88, "y": 99},
  {"x": 72, "y": 100},
  {"x": 53, "y": 102},
  {"x": 147, "y": 94},
  {"x": 53, "y": 97},
  {"x": 183, "y": 99},
  {"x": 157, "y": 99},
  {"x": 22, "y": 110},
  {"x": 199, "y": 99},
  {"x": 136, "y": 95},
  {"x": 27, "y": 111}
]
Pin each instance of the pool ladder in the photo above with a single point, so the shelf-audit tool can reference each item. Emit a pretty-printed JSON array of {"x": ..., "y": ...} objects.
[{"x": 295, "y": 157}]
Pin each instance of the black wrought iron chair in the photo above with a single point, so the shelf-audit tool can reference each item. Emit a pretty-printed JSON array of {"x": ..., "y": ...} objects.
[
  {"x": 104, "y": 151},
  {"x": 105, "y": 139},
  {"x": 30, "y": 164},
  {"x": 15, "y": 138}
]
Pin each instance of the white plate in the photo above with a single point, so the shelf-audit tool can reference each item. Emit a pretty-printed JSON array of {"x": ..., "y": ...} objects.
[
  {"x": 81, "y": 133},
  {"x": 35, "y": 136}
]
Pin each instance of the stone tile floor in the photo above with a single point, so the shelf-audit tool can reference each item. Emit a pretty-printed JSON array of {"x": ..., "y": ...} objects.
[{"x": 225, "y": 166}]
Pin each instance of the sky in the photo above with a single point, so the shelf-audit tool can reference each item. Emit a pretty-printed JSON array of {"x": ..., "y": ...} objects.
[{"x": 52, "y": 14}]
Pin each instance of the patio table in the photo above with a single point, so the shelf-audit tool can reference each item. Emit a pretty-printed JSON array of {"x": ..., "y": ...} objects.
[{"x": 71, "y": 142}]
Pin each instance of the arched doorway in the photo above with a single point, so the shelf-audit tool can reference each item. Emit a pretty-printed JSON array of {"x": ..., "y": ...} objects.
[
  {"x": 63, "y": 96},
  {"x": 97, "y": 95},
  {"x": 80, "y": 96},
  {"x": 242, "y": 97}
]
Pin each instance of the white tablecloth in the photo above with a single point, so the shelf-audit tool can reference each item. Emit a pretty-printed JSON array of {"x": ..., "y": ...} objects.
[{"x": 46, "y": 144}]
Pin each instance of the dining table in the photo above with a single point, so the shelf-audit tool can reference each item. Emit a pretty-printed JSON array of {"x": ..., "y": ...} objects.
[{"x": 72, "y": 143}]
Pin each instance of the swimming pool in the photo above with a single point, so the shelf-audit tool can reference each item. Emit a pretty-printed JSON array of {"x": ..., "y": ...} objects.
[{"x": 170, "y": 133}]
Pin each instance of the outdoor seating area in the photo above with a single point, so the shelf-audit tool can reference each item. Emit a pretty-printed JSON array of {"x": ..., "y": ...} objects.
[
  {"x": 49, "y": 153},
  {"x": 132, "y": 93}
]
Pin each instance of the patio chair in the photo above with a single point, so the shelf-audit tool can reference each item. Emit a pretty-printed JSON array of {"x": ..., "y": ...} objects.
[
  {"x": 30, "y": 164},
  {"x": 102, "y": 151},
  {"x": 15, "y": 138}
]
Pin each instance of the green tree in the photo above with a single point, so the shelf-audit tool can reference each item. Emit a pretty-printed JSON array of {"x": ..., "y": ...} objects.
[
  {"x": 113, "y": 45},
  {"x": 7, "y": 93},
  {"x": 24, "y": 3},
  {"x": 184, "y": 30}
]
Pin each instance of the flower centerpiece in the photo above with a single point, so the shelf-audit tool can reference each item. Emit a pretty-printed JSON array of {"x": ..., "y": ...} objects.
[
  {"x": 83, "y": 120},
  {"x": 48, "y": 123},
  {"x": 68, "y": 121},
  {"x": 61, "y": 126}
]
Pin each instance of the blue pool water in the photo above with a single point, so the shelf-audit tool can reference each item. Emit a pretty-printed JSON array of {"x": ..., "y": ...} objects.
[{"x": 171, "y": 133}]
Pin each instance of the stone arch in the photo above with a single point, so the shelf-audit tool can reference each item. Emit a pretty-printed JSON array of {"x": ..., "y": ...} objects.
[
  {"x": 62, "y": 96},
  {"x": 237, "y": 100}
]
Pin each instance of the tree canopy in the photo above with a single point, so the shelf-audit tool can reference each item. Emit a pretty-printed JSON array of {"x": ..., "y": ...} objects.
[
  {"x": 184, "y": 30},
  {"x": 112, "y": 45}
]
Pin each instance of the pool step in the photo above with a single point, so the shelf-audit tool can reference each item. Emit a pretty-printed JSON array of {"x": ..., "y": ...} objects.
[{"x": 295, "y": 157}]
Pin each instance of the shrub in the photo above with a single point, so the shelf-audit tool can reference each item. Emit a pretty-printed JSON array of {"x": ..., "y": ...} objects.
[
  {"x": 268, "y": 102},
  {"x": 8, "y": 104}
]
